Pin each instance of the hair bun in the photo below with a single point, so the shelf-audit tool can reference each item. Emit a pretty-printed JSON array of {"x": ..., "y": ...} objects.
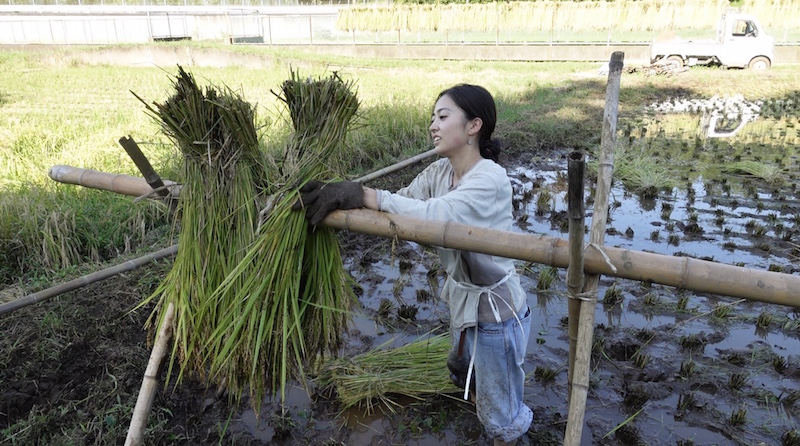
[{"x": 490, "y": 149}]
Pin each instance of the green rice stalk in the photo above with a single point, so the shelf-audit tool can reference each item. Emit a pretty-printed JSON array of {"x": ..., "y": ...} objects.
[
  {"x": 289, "y": 298},
  {"x": 643, "y": 176},
  {"x": 415, "y": 370},
  {"x": 639, "y": 173},
  {"x": 625, "y": 422},
  {"x": 217, "y": 208},
  {"x": 767, "y": 172}
]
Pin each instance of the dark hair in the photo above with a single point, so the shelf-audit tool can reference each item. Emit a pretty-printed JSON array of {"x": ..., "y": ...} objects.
[{"x": 477, "y": 102}]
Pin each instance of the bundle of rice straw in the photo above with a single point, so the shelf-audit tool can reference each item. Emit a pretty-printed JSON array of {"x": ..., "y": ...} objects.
[
  {"x": 415, "y": 370},
  {"x": 257, "y": 294},
  {"x": 289, "y": 299},
  {"x": 223, "y": 180}
]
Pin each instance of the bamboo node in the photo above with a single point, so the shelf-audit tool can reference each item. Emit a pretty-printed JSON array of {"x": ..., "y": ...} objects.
[
  {"x": 551, "y": 252},
  {"x": 605, "y": 256},
  {"x": 684, "y": 273}
]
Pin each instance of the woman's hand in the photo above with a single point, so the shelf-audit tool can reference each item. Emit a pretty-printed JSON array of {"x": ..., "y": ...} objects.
[{"x": 320, "y": 199}]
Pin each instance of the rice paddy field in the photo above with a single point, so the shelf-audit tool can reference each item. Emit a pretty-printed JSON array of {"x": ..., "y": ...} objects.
[{"x": 706, "y": 167}]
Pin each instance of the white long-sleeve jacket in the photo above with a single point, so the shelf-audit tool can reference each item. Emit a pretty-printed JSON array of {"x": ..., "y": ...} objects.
[{"x": 478, "y": 287}]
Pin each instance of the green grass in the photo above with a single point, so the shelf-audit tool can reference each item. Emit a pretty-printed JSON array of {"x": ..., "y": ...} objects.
[
  {"x": 58, "y": 227},
  {"x": 547, "y": 275}
]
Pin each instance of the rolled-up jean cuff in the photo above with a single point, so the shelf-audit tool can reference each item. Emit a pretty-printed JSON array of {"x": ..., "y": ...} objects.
[{"x": 517, "y": 428}]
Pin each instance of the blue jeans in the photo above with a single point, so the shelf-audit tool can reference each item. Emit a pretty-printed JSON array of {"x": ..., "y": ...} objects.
[{"x": 499, "y": 377}]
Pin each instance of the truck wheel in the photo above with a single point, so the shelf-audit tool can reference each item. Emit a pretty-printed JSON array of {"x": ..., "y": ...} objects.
[
  {"x": 759, "y": 63},
  {"x": 674, "y": 61}
]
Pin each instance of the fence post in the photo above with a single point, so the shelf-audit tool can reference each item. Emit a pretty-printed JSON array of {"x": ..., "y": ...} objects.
[
  {"x": 149, "y": 28},
  {"x": 269, "y": 24},
  {"x": 579, "y": 361},
  {"x": 52, "y": 35}
]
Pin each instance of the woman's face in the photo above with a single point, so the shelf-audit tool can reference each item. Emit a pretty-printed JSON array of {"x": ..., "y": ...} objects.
[{"x": 449, "y": 127}]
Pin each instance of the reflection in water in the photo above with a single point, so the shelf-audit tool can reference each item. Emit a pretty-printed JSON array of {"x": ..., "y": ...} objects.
[
  {"x": 548, "y": 301},
  {"x": 728, "y": 243},
  {"x": 613, "y": 314},
  {"x": 717, "y": 125},
  {"x": 266, "y": 428},
  {"x": 721, "y": 117}
]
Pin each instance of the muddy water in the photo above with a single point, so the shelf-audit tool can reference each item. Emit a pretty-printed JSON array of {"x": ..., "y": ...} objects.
[
  {"x": 657, "y": 402},
  {"x": 732, "y": 345}
]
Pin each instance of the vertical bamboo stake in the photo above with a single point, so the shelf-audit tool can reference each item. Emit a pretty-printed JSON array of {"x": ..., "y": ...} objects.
[
  {"x": 575, "y": 170},
  {"x": 150, "y": 381},
  {"x": 147, "y": 392},
  {"x": 580, "y": 376}
]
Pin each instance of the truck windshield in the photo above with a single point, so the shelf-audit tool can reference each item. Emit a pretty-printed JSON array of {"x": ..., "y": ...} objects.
[{"x": 744, "y": 28}]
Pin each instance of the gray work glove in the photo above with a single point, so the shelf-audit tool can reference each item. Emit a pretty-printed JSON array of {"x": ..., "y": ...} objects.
[{"x": 320, "y": 199}]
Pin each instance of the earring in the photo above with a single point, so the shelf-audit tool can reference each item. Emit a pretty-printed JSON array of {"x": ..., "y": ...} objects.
[{"x": 469, "y": 141}]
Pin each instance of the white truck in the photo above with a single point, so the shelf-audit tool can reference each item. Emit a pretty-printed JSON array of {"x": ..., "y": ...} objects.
[{"x": 741, "y": 42}]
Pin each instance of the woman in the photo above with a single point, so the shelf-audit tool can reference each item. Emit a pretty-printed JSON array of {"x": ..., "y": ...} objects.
[{"x": 489, "y": 316}]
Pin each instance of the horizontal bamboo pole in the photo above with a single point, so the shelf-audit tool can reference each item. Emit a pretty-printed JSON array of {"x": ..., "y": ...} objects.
[
  {"x": 139, "y": 187},
  {"x": 96, "y": 276},
  {"x": 396, "y": 166},
  {"x": 119, "y": 183},
  {"x": 681, "y": 272}
]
